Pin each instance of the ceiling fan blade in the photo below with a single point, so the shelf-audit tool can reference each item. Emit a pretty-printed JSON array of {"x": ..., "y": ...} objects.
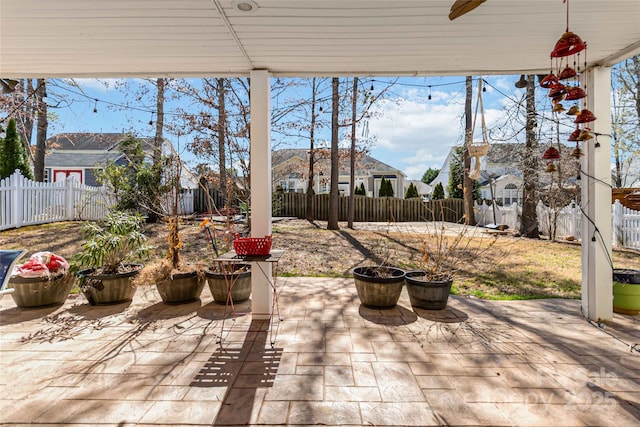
[{"x": 460, "y": 7}]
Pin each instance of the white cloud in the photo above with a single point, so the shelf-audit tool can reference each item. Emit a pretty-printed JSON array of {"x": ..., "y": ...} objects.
[{"x": 413, "y": 136}]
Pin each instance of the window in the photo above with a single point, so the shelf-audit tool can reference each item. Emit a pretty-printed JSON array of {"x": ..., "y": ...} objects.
[{"x": 510, "y": 194}]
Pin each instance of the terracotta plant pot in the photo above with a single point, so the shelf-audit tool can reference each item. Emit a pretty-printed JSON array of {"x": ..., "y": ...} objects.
[
  {"x": 378, "y": 287},
  {"x": 102, "y": 289},
  {"x": 40, "y": 291},
  {"x": 240, "y": 279},
  {"x": 181, "y": 288},
  {"x": 426, "y": 294}
]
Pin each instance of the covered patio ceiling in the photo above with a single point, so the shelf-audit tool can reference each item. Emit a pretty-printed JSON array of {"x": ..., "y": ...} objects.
[{"x": 170, "y": 38}]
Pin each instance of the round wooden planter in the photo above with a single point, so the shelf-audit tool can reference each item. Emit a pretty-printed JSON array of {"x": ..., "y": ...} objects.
[
  {"x": 102, "y": 289},
  {"x": 32, "y": 292},
  {"x": 428, "y": 295},
  {"x": 181, "y": 288},
  {"x": 626, "y": 291},
  {"x": 378, "y": 287},
  {"x": 241, "y": 289}
]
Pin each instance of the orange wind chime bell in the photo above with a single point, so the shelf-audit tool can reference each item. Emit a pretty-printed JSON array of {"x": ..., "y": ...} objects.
[{"x": 565, "y": 84}]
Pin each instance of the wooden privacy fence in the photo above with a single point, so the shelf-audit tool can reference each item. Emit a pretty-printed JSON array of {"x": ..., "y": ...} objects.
[
  {"x": 206, "y": 200},
  {"x": 26, "y": 202},
  {"x": 370, "y": 209}
]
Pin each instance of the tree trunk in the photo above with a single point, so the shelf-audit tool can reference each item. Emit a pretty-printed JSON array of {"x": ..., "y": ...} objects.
[
  {"x": 529, "y": 220},
  {"x": 41, "y": 136},
  {"x": 30, "y": 111},
  {"x": 334, "y": 196},
  {"x": 157, "y": 150},
  {"x": 352, "y": 156},
  {"x": 157, "y": 145},
  {"x": 222, "y": 127},
  {"x": 467, "y": 183},
  {"x": 310, "y": 192}
]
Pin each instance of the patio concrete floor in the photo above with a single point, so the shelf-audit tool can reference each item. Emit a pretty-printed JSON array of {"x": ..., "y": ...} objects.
[{"x": 334, "y": 362}]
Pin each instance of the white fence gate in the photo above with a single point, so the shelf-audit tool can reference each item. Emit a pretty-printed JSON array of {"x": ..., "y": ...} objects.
[{"x": 568, "y": 221}]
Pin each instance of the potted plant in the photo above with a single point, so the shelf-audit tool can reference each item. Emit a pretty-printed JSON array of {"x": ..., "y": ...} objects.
[
  {"x": 176, "y": 282},
  {"x": 234, "y": 282},
  {"x": 626, "y": 291},
  {"x": 379, "y": 286},
  {"x": 43, "y": 280},
  {"x": 110, "y": 258},
  {"x": 442, "y": 253}
]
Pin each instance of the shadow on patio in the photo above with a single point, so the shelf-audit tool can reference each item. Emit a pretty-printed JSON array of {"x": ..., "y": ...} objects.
[{"x": 334, "y": 362}]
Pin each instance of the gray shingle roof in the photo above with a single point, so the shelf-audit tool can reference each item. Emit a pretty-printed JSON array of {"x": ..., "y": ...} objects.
[{"x": 80, "y": 160}]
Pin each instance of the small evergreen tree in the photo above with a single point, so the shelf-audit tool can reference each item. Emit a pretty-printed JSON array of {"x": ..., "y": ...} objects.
[
  {"x": 360, "y": 191},
  {"x": 438, "y": 192},
  {"x": 12, "y": 154},
  {"x": 412, "y": 191},
  {"x": 386, "y": 189}
]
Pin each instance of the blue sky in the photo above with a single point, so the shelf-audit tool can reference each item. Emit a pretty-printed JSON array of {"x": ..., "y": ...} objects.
[{"x": 412, "y": 132}]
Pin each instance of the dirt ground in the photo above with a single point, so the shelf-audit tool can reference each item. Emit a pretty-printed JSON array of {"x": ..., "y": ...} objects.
[{"x": 513, "y": 268}]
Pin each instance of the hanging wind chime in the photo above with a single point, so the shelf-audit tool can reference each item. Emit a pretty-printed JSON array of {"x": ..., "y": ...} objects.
[{"x": 564, "y": 84}]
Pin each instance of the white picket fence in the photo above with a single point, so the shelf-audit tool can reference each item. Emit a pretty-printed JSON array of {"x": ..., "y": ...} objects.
[
  {"x": 25, "y": 202},
  {"x": 568, "y": 221}
]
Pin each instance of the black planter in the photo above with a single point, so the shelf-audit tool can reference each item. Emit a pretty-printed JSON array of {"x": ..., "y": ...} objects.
[
  {"x": 425, "y": 294},
  {"x": 102, "y": 289},
  {"x": 378, "y": 287}
]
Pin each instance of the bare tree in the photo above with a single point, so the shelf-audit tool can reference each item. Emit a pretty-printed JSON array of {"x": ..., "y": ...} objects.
[
  {"x": 312, "y": 156},
  {"x": 530, "y": 196},
  {"x": 334, "y": 196},
  {"x": 41, "y": 137},
  {"x": 470, "y": 218},
  {"x": 626, "y": 122},
  {"x": 352, "y": 155}
]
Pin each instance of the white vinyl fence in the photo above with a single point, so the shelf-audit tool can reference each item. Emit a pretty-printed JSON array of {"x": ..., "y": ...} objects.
[
  {"x": 25, "y": 202},
  {"x": 567, "y": 221}
]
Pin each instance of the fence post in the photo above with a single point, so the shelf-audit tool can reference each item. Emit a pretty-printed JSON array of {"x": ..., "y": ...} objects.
[
  {"x": 15, "y": 181},
  {"x": 618, "y": 218},
  {"x": 68, "y": 192}
]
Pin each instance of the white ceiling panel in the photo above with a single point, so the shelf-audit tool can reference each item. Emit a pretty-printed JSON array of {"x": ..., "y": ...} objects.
[{"x": 182, "y": 38}]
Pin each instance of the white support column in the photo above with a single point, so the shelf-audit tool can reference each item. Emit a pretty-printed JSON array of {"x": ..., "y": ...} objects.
[
  {"x": 597, "y": 281},
  {"x": 260, "y": 170}
]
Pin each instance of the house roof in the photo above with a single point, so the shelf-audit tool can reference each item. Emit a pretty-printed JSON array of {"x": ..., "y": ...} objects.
[
  {"x": 364, "y": 165},
  {"x": 79, "y": 160},
  {"x": 85, "y": 141},
  {"x": 195, "y": 38}
]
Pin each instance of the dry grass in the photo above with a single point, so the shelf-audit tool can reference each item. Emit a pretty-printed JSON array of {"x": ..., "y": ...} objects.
[{"x": 512, "y": 268}]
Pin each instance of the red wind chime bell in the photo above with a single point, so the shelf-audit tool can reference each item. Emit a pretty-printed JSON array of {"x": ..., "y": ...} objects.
[{"x": 564, "y": 84}]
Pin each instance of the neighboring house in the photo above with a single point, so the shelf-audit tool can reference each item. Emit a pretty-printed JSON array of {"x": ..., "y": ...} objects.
[
  {"x": 502, "y": 167},
  {"x": 290, "y": 170},
  {"x": 79, "y": 155}
]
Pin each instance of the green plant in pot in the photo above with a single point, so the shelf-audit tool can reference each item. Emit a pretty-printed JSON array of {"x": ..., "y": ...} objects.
[
  {"x": 111, "y": 256},
  {"x": 443, "y": 251}
]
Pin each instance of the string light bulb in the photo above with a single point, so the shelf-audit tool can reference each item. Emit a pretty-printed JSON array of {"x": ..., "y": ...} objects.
[{"x": 95, "y": 106}]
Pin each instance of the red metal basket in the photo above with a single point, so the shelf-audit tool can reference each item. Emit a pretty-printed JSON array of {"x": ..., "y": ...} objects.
[{"x": 252, "y": 246}]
